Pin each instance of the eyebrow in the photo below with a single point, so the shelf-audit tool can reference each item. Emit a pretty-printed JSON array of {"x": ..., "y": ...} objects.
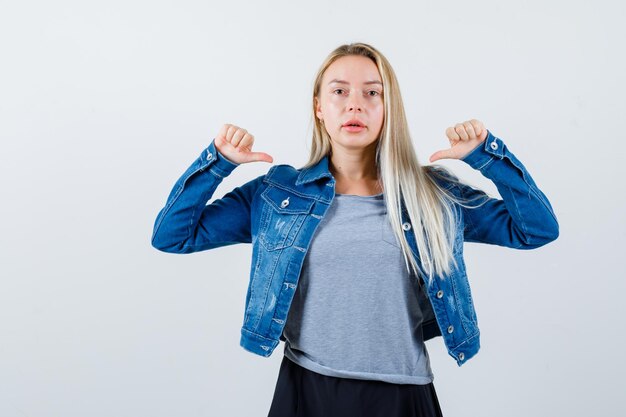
[{"x": 345, "y": 82}]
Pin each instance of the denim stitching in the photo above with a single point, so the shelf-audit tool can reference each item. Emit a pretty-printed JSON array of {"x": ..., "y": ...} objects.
[
  {"x": 486, "y": 163},
  {"x": 251, "y": 286},
  {"x": 216, "y": 174},
  {"x": 539, "y": 196},
  {"x": 295, "y": 192},
  {"x": 272, "y": 274},
  {"x": 519, "y": 215}
]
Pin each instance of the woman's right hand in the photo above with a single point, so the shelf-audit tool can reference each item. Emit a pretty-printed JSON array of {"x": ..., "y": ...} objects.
[{"x": 235, "y": 143}]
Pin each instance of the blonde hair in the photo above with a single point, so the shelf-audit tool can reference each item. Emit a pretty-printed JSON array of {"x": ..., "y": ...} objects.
[{"x": 429, "y": 205}]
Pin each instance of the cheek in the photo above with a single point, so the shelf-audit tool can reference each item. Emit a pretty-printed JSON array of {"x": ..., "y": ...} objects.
[
  {"x": 380, "y": 113},
  {"x": 334, "y": 102},
  {"x": 333, "y": 108}
]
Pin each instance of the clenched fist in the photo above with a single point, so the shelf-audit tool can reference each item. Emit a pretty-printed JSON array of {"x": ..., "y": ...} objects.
[
  {"x": 464, "y": 138},
  {"x": 235, "y": 143}
]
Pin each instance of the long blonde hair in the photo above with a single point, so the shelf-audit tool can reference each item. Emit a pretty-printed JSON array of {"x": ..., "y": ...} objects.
[{"x": 429, "y": 206}]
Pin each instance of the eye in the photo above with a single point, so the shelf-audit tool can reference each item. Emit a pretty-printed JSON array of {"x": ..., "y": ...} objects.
[
  {"x": 376, "y": 93},
  {"x": 338, "y": 89}
]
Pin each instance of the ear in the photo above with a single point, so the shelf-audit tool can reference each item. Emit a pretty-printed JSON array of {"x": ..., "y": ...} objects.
[{"x": 318, "y": 108}]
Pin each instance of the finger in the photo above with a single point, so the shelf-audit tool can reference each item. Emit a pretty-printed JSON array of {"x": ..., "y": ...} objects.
[
  {"x": 246, "y": 143},
  {"x": 224, "y": 145},
  {"x": 479, "y": 128},
  {"x": 239, "y": 134},
  {"x": 469, "y": 128},
  {"x": 230, "y": 132},
  {"x": 259, "y": 156},
  {"x": 222, "y": 132},
  {"x": 442, "y": 154},
  {"x": 460, "y": 130},
  {"x": 451, "y": 134}
]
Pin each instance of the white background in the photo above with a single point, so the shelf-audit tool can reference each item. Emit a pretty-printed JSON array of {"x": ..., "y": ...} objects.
[{"x": 103, "y": 105}]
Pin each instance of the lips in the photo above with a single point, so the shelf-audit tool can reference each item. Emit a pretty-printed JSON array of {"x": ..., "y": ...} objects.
[{"x": 354, "y": 123}]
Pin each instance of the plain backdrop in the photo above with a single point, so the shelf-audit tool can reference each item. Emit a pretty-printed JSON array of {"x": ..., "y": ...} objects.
[{"x": 103, "y": 105}]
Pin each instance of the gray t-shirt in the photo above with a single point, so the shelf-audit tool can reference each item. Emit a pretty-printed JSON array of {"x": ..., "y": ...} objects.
[{"x": 355, "y": 312}]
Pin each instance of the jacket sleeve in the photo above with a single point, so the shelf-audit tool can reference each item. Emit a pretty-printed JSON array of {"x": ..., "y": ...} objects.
[
  {"x": 187, "y": 224},
  {"x": 523, "y": 218}
]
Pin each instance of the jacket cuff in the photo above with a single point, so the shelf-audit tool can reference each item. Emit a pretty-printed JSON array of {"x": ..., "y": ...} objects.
[
  {"x": 213, "y": 158},
  {"x": 485, "y": 152}
]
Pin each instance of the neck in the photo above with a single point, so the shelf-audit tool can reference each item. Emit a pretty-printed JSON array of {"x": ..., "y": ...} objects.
[
  {"x": 353, "y": 165},
  {"x": 355, "y": 172}
]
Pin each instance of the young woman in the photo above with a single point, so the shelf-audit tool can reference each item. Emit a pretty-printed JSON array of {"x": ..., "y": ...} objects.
[{"x": 358, "y": 255}]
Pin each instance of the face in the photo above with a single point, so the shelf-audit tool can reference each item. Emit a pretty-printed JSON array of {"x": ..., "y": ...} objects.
[{"x": 351, "y": 89}]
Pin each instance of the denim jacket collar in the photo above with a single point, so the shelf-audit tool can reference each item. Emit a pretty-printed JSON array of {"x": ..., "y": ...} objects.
[{"x": 315, "y": 172}]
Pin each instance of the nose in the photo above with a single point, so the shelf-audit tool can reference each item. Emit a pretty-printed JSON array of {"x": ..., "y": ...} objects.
[{"x": 354, "y": 103}]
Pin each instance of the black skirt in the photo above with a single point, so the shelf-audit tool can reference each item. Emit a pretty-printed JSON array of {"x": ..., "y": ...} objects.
[{"x": 303, "y": 393}]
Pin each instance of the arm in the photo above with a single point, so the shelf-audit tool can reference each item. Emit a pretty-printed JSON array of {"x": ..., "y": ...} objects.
[
  {"x": 523, "y": 218},
  {"x": 186, "y": 224}
]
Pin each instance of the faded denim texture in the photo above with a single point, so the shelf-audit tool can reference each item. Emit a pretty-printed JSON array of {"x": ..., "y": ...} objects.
[{"x": 278, "y": 213}]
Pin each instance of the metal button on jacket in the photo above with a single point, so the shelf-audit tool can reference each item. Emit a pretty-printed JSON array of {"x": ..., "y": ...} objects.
[
  {"x": 494, "y": 145},
  {"x": 461, "y": 356},
  {"x": 209, "y": 155},
  {"x": 450, "y": 329},
  {"x": 439, "y": 293},
  {"x": 284, "y": 203},
  {"x": 406, "y": 226}
]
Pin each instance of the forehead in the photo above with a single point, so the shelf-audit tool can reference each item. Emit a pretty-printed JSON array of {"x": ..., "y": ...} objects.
[{"x": 353, "y": 69}]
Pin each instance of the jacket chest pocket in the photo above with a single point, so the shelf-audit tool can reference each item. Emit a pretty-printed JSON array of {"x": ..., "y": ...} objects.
[{"x": 282, "y": 217}]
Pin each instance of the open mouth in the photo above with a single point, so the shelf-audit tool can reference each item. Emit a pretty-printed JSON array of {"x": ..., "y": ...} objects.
[{"x": 353, "y": 123}]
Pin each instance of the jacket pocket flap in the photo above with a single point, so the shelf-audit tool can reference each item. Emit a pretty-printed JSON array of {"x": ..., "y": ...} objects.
[{"x": 285, "y": 202}]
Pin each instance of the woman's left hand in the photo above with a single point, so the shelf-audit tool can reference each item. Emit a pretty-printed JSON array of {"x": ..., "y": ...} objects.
[{"x": 464, "y": 138}]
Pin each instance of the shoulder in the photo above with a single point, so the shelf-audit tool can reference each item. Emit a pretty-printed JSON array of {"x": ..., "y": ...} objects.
[
  {"x": 283, "y": 169},
  {"x": 275, "y": 173},
  {"x": 282, "y": 174}
]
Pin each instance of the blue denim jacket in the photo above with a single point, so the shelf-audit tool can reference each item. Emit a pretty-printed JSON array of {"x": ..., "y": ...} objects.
[{"x": 278, "y": 213}]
